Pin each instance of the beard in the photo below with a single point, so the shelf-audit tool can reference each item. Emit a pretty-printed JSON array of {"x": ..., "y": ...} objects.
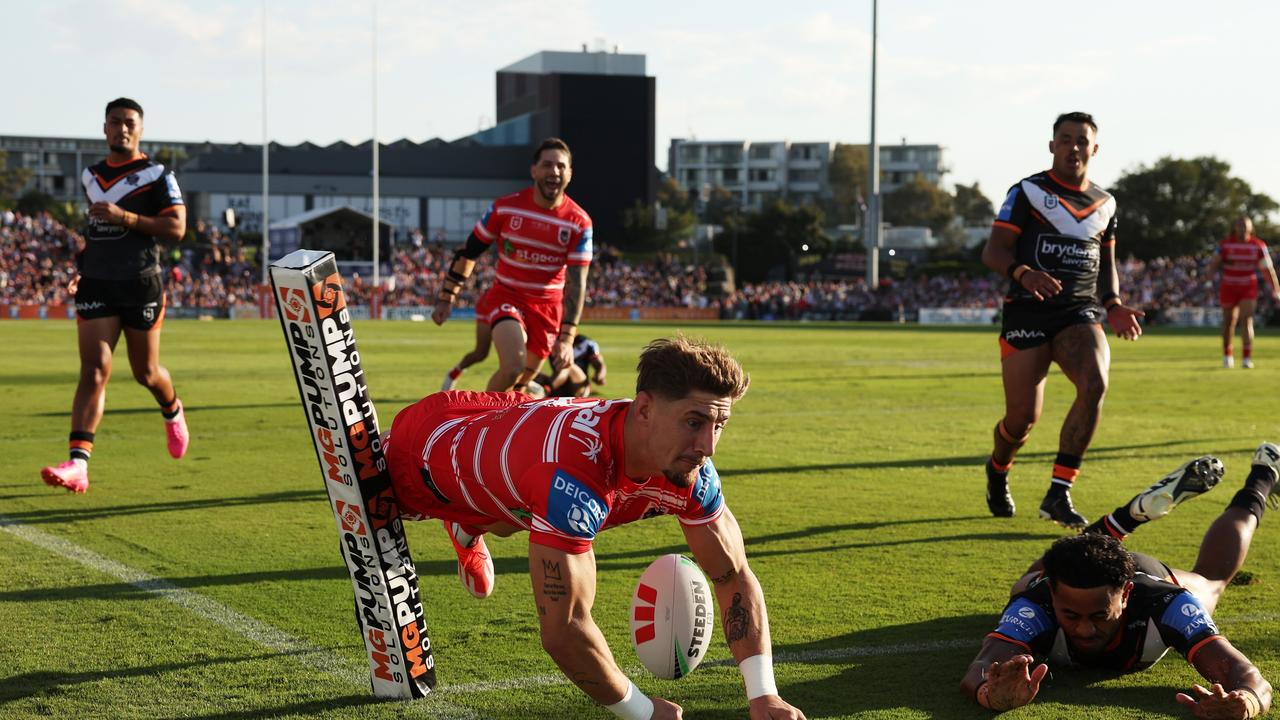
[
  {"x": 550, "y": 194},
  {"x": 683, "y": 479},
  {"x": 118, "y": 149}
]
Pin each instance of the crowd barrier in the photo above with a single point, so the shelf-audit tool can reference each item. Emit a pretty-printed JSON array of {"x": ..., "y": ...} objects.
[
  {"x": 1169, "y": 317},
  {"x": 958, "y": 316}
]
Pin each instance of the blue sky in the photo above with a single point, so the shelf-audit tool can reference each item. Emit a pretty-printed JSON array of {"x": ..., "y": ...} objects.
[{"x": 983, "y": 78}]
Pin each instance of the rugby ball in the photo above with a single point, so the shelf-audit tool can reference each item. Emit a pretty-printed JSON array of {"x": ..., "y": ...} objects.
[{"x": 672, "y": 617}]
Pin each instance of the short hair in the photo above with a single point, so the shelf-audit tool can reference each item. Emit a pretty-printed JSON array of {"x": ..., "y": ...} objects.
[
  {"x": 1088, "y": 560},
  {"x": 125, "y": 103},
  {"x": 674, "y": 367},
  {"x": 1077, "y": 116},
  {"x": 552, "y": 143}
]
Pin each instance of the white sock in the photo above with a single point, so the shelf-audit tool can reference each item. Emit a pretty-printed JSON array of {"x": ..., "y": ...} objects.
[
  {"x": 177, "y": 417},
  {"x": 464, "y": 538}
]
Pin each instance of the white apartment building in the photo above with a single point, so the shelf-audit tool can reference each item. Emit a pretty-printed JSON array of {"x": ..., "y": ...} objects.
[{"x": 758, "y": 172}]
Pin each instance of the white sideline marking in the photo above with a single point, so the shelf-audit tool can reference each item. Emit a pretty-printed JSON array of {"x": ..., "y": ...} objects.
[
  {"x": 220, "y": 614},
  {"x": 357, "y": 674}
]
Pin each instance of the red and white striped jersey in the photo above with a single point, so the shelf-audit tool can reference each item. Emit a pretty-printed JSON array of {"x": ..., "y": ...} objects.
[
  {"x": 553, "y": 467},
  {"x": 536, "y": 244},
  {"x": 1240, "y": 260}
]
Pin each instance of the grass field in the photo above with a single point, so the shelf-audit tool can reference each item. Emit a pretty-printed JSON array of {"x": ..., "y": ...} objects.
[{"x": 212, "y": 587}]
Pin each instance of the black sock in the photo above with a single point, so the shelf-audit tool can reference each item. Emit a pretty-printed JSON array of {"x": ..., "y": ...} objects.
[
  {"x": 1119, "y": 524},
  {"x": 997, "y": 479},
  {"x": 1257, "y": 487},
  {"x": 174, "y": 408},
  {"x": 81, "y": 445}
]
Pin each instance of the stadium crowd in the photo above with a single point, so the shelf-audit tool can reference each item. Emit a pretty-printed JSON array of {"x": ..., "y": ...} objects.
[{"x": 37, "y": 263}]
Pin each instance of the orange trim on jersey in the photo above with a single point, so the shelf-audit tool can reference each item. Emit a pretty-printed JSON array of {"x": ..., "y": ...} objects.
[
  {"x": 1196, "y": 648},
  {"x": 164, "y": 303},
  {"x": 1069, "y": 186},
  {"x": 144, "y": 188},
  {"x": 1062, "y": 472},
  {"x": 1019, "y": 643},
  {"x": 1083, "y": 213},
  {"x": 107, "y": 184},
  {"x": 1006, "y": 349},
  {"x": 171, "y": 210},
  {"x": 1007, "y": 226},
  {"x": 135, "y": 158}
]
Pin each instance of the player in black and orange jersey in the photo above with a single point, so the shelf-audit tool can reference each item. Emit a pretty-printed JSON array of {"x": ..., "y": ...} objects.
[
  {"x": 1055, "y": 239},
  {"x": 135, "y": 204},
  {"x": 1090, "y": 603}
]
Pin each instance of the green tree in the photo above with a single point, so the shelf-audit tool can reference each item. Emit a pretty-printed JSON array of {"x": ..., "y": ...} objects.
[
  {"x": 1183, "y": 207},
  {"x": 722, "y": 208},
  {"x": 12, "y": 181},
  {"x": 663, "y": 226},
  {"x": 171, "y": 158},
  {"x": 920, "y": 202},
  {"x": 776, "y": 237},
  {"x": 847, "y": 176},
  {"x": 34, "y": 202},
  {"x": 972, "y": 206}
]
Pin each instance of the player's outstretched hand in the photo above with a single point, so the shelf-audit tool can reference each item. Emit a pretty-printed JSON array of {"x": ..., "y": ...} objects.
[
  {"x": 1013, "y": 683},
  {"x": 1040, "y": 283},
  {"x": 1216, "y": 702},
  {"x": 441, "y": 312},
  {"x": 665, "y": 709},
  {"x": 1124, "y": 321},
  {"x": 772, "y": 707}
]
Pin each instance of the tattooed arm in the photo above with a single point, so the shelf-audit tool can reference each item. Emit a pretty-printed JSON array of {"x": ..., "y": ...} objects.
[
  {"x": 564, "y": 588},
  {"x": 718, "y": 547}
]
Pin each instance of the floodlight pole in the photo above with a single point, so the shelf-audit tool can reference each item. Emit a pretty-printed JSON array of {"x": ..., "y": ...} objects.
[
  {"x": 872, "y": 230},
  {"x": 266, "y": 207},
  {"x": 377, "y": 236}
]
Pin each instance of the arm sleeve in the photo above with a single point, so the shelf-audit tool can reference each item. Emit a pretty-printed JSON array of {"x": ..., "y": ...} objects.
[
  {"x": 706, "y": 499},
  {"x": 567, "y": 509},
  {"x": 1109, "y": 236},
  {"x": 1013, "y": 213},
  {"x": 1025, "y": 622},
  {"x": 165, "y": 193},
  {"x": 474, "y": 248},
  {"x": 1184, "y": 625},
  {"x": 488, "y": 226},
  {"x": 581, "y": 252}
]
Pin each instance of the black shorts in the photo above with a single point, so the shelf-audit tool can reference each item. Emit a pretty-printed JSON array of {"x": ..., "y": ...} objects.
[
  {"x": 1151, "y": 566},
  {"x": 1025, "y": 325},
  {"x": 139, "y": 302}
]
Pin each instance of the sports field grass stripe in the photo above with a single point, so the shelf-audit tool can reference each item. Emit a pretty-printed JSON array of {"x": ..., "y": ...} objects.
[
  {"x": 220, "y": 614},
  {"x": 330, "y": 664}
]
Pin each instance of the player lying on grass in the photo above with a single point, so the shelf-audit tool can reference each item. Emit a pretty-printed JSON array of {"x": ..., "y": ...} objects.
[
  {"x": 566, "y": 469},
  {"x": 573, "y": 380},
  {"x": 1089, "y": 602}
]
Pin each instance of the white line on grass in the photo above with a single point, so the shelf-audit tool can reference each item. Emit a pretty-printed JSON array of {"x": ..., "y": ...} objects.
[
  {"x": 220, "y": 614},
  {"x": 353, "y": 673}
]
